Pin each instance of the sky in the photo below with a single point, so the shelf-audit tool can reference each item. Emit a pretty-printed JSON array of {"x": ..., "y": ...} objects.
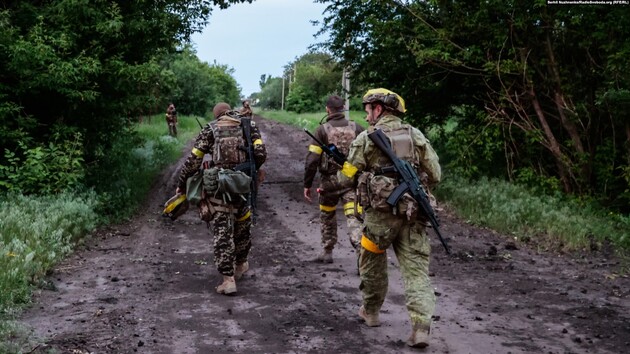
[{"x": 259, "y": 38}]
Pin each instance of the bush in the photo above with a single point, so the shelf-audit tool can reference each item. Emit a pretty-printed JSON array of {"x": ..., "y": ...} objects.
[{"x": 44, "y": 169}]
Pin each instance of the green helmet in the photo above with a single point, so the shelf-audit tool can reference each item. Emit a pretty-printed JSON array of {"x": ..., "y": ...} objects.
[{"x": 386, "y": 97}]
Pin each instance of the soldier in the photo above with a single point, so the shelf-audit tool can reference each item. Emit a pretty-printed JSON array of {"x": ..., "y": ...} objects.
[
  {"x": 384, "y": 225},
  {"x": 223, "y": 139},
  {"x": 171, "y": 119},
  {"x": 338, "y": 131},
  {"x": 246, "y": 110}
]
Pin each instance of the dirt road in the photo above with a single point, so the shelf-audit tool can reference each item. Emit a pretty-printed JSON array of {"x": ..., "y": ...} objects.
[{"x": 147, "y": 286}]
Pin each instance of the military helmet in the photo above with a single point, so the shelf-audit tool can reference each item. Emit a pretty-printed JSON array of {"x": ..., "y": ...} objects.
[
  {"x": 176, "y": 206},
  {"x": 388, "y": 98},
  {"x": 220, "y": 109}
]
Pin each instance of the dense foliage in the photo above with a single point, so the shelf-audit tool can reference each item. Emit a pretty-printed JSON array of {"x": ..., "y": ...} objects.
[
  {"x": 75, "y": 73},
  {"x": 534, "y": 93},
  {"x": 308, "y": 81},
  {"x": 198, "y": 85}
]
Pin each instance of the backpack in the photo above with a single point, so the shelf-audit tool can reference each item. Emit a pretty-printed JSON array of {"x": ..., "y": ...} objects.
[
  {"x": 341, "y": 137},
  {"x": 228, "y": 143}
]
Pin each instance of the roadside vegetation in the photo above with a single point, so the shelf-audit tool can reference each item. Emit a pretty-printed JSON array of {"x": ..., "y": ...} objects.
[
  {"x": 38, "y": 231},
  {"x": 555, "y": 222},
  {"x": 308, "y": 121}
]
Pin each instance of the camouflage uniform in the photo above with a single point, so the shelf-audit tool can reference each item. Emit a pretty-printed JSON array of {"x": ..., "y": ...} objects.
[
  {"x": 328, "y": 200},
  {"x": 171, "y": 120},
  {"x": 231, "y": 220},
  {"x": 384, "y": 228},
  {"x": 246, "y": 110}
]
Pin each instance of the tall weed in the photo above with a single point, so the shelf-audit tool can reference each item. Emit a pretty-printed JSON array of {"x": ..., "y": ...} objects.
[
  {"x": 554, "y": 221},
  {"x": 308, "y": 121},
  {"x": 36, "y": 233}
]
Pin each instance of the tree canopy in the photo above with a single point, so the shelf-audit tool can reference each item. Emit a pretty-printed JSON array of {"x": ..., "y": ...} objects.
[
  {"x": 534, "y": 92},
  {"x": 77, "y": 69}
]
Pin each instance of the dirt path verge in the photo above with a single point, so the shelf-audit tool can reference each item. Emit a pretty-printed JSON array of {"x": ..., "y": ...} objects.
[{"x": 147, "y": 286}]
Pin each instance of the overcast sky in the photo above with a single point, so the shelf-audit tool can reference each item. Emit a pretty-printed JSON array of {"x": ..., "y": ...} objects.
[{"x": 259, "y": 38}]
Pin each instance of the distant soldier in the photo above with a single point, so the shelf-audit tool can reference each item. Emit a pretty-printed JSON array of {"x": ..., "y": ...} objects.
[
  {"x": 338, "y": 131},
  {"x": 230, "y": 214},
  {"x": 368, "y": 167},
  {"x": 246, "y": 110},
  {"x": 171, "y": 119}
]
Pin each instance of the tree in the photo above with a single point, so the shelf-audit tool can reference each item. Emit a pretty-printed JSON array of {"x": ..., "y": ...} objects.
[
  {"x": 85, "y": 67},
  {"x": 315, "y": 76},
  {"x": 198, "y": 86},
  {"x": 552, "y": 80}
]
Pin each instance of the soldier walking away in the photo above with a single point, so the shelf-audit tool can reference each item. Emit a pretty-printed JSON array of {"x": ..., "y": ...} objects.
[
  {"x": 171, "y": 119},
  {"x": 224, "y": 201},
  {"x": 339, "y": 131},
  {"x": 246, "y": 110},
  {"x": 400, "y": 226}
]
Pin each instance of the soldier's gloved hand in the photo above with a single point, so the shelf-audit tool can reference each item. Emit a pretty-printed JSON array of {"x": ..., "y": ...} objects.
[{"x": 211, "y": 180}]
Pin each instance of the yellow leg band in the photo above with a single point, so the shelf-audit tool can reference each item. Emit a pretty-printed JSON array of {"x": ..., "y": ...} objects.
[
  {"x": 348, "y": 208},
  {"x": 327, "y": 208},
  {"x": 244, "y": 217},
  {"x": 258, "y": 142},
  {"x": 348, "y": 170},
  {"x": 370, "y": 246},
  {"x": 315, "y": 149}
]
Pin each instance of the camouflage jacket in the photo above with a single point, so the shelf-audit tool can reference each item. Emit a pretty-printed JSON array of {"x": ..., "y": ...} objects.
[
  {"x": 314, "y": 155},
  {"x": 204, "y": 144},
  {"x": 365, "y": 156}
]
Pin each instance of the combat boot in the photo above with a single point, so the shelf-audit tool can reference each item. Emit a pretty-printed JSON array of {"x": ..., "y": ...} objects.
[
  {"x": 228, "y": 286},
  {"x": 370, "y": 319},
  {"x": 419, "y": 337},
  {"x": 240, "y": 269},
  {"x": 324, "y": 257}
]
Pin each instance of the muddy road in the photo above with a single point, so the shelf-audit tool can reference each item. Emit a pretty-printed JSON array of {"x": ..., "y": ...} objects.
[{"x": 147, "y": 286}]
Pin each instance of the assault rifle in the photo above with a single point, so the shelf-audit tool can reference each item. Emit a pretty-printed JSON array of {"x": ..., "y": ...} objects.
[
  {"x": 249, "y": 167},
  {"x": 330, "y": 150},
  {"x": 409, "y": 183},
  {"x": 198, "y": 122}
]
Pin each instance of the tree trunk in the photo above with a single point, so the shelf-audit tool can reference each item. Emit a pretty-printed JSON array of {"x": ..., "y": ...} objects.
[{"x": 553, "y": 145}]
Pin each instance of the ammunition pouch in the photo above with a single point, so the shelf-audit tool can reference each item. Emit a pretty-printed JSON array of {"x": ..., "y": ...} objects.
[
  {"x": 211, "y": 180},
  {"x": 379, "y": 188},
  {"x": 194, "y": 188},
  {"x": 234, "y": 182}
]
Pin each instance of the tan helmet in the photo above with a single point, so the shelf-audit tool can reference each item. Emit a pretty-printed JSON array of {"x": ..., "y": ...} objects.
[
  {"x": 220, "y": 108},
  {"x": 388, "y": 98}
]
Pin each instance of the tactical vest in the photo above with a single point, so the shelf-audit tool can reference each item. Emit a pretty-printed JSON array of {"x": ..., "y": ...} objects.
[
  {"x": 375, "y": 186},
  {"x": 341, "y": 137},
  {"x": 402, "y": 144},
  {"x": 229, "y": 143}
]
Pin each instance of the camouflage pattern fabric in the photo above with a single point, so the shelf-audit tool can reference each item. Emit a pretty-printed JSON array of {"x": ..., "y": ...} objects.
[
  {"x": 411, "y": 246},
  {"x": 231, "y": 231},
  {"x": 314, "y": 157},
  {"x": 328, "y": 216},
  {"x": 383, "y": 228},
  {"x": 204, "y": 144},
  {"x": 232, "y": 239},
  {"x": 316, "y": 161}
]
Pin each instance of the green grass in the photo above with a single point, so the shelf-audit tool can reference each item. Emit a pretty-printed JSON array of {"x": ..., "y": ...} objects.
[
  {"x": 36, "y": 232},
  {"x": 308, "y": 121},
  {"x": 559, "y": 223},
  {"x": 551, "y": 222}
]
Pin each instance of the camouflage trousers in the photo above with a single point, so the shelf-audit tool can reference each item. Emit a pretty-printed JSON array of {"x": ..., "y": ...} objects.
[
  {"x": 328, "y": 218},
  {"x": 411, "y": 246},
  {"x": 232, "y": 239}
]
